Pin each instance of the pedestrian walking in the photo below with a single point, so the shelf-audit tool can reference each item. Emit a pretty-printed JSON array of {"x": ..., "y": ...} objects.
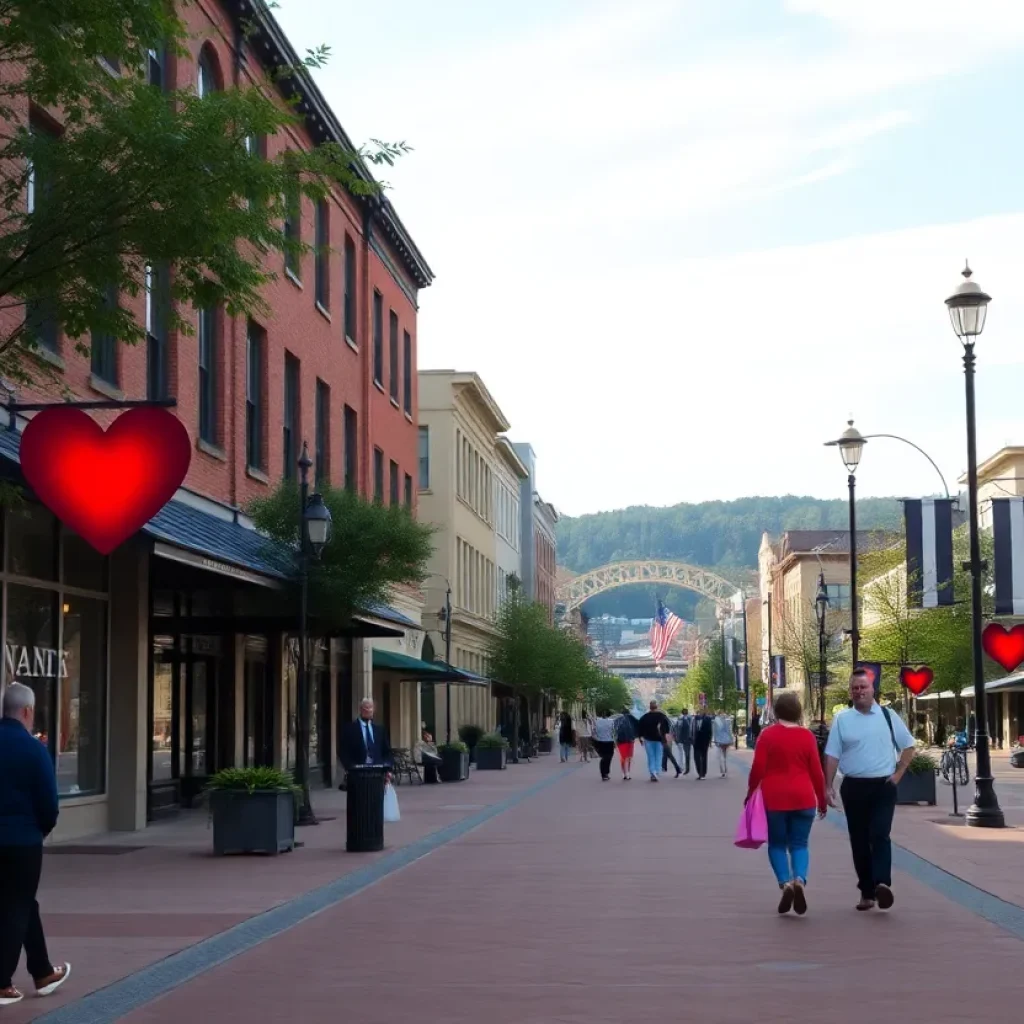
[
  {"x": 654, "y": 727},
  {"x": 755, "y": 728},
  {"x": 872, "y": 747},
  {"x": 565, "y": 736},
  {"x": 584, "y": 731},
  {"x": 604, "y": 741},
  {"x": 626, "y": 728},
  {"x": 787, "y": 769},
  {"x": 701, "y": 742},
  {"x": 683, "y": 733},
  {"x": 668, "y": 753},
  {"x": 28, "y": 814},
  {"x": 723, "y": 737}
]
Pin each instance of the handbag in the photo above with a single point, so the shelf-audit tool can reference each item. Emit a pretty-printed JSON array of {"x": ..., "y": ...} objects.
[
  {"x": 391, "y": 812},
  {"x": 752, "y": 828}
]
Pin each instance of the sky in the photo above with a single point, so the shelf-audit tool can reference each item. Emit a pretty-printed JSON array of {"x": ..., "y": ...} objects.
[{"x": 683, "y": 241}]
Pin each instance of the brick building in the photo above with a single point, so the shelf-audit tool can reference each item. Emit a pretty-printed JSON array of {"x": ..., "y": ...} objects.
[{"x": 199, "y": 672}]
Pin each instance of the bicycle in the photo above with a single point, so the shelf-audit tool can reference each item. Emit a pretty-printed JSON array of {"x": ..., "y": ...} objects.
[{"x": 954, "y": 763}]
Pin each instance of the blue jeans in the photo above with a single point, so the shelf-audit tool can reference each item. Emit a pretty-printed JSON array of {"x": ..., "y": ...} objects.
[
  {"x": 654, "y": 751},
  {"x": 564, "y": 750},
  {"x": 788, "y": 832}
]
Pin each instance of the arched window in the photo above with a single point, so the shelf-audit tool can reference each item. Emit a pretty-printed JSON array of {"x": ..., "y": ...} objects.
[{"x": 208, "y": 78}]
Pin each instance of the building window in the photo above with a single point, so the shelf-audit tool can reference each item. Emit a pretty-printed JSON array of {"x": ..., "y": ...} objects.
[
  {"x": 290, "y": 428},
  {"x": 292, "y": 227},
  {"x": 350, "y": 289},
  {"x": 408, "y": 491},
  {"x": 207, "y": 79},
  {"x": 322, "y": 445},
  {"x": 351, "y": 449},
  {"x": 155, "y": 68},
  {"x": 393, "y": 482},
  {"x": 378, "y": 475},
  {"x": 157, "y": 281},
  {"x": 104, "y": 345},
  {"x": 323, "y": 253},
  {"x": 838, "y": 596},
  {"x": 407, "y": 372},
  {"x": 40, "y": 315},
  {"x": 393, "y": 347},
  {"x": 378, "y": 338},
  {"x": 255, "y": 355},
  {"x": 32, "y": 542},
  {"x": 208, "y": 355},
  {"x": 424, "y": 454}
]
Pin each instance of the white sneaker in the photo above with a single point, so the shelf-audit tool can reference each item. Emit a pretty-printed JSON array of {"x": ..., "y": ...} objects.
[
  {"x": 47, "y": 986},
  {"x": 10, "y": 996}
]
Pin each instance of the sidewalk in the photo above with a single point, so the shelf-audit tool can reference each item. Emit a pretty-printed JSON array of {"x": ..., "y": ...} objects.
[
  {"x": 116, "y": 903},
  {"x": 594, "y": 902}
]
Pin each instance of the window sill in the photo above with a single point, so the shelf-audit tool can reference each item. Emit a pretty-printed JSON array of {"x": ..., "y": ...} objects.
[
  {"x": 379, "y": 386},
  {"x": 426, "y": 490},
  {"x": 293, "y": 277},
  {"x": 322, "y": 310},
  {"x": 408, "y": 416},
  {"x": 46, "y": 355},
  {"x": 211, "y": 449},
  {"x": 257, "y": 474},
  {"x": 394, "y": 402},
  {"x": 105, "y": 388},
  {"x": 81, "y": 799},
  {"x": 351, "y": 344}
]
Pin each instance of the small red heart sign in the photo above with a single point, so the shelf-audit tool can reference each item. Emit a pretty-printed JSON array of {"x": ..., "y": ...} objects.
[
  {"x": 1004, "y": 646},
  {"x": 917, "y": 680},
  {"x": 105, "y": 484}
]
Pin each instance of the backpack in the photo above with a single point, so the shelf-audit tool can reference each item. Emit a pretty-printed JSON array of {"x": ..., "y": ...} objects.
[{"x": 624, "y": 731}]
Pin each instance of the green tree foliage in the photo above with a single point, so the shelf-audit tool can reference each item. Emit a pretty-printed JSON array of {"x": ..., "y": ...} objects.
[
  {"x": 712, "y": 677},
  {"x": 142, "y": 175},
  {"x": 373, "y": 549}
]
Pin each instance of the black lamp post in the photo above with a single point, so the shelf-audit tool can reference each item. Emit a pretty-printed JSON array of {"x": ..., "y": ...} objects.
[
  {"x": 851, "y": 444},
  {"x": 967, "y": 308},
  {"x": 445, "y": 615},
  {"x": 820, "y": 611},
  {"x": 314, "y": 533}
]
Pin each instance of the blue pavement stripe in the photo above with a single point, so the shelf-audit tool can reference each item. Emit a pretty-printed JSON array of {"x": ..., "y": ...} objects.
[
  {"x": 120, "y": 998},
  {"x": 999, "y": 912}
]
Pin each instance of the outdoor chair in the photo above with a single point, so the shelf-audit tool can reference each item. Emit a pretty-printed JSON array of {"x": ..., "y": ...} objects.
[{"x": 404, "y": 764}]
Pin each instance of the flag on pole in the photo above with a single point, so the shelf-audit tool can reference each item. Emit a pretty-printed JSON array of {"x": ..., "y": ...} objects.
[
  {"x": 1008, "y": 554},
  {"x": 929, "y": 523},
  {"x": 663, "y": 631}
]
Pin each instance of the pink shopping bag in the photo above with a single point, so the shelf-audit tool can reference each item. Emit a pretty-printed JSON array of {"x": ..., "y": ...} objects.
[{"x": 752, "y": 828}]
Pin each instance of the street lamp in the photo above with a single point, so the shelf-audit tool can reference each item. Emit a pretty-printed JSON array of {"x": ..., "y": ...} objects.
[
  {"x": 968, "y": 306},
  {"x": 820, "y": 611},
  {"x": 445, "y": 618},
  {"x": 851, "y": 444},
  {"x": 314, "y": 533}
]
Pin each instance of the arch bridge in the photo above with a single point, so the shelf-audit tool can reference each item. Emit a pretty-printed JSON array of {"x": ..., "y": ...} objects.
[{"x": 572, "y": 593}]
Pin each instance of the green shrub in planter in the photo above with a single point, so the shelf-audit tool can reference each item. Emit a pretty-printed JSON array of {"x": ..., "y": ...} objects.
[
  {"x": 918, "y": 784},
  {"x": 470, "y": 735},
  {"x": 454, "y": 766},
  {"x": 492, "y": 741},
  {"x": 491, "y": 752},
  {"x": 253, "y": 810}
]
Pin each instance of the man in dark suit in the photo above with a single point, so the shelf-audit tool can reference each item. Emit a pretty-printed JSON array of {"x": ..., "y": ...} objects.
[{"x": 365, "y": 741}]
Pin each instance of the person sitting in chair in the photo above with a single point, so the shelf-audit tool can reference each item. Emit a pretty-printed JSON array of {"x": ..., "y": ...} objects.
[{"x": 426, "y": 754}]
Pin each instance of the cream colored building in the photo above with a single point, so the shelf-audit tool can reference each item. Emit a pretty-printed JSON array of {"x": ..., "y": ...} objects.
[
  {"x": 999, "y": 476},
  {"x": 468, "y": 468}
]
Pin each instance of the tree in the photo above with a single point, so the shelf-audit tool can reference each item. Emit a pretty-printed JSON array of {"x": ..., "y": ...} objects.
[
  {"x": 711, "y": 676},
  {"x": 140, "y": 176}
]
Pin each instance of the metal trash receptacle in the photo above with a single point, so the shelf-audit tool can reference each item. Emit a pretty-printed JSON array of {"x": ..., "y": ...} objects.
[{"x": 364, "y": 810}]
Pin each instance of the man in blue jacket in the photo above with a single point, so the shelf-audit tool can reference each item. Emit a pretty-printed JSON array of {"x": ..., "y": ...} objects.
[{"x": 28, "y": 813}]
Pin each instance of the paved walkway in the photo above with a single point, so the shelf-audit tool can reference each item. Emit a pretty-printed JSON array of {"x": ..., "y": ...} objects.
[{"x": 588, "y": 902}]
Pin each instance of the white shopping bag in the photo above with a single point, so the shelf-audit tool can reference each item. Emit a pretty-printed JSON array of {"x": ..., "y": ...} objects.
[{"x": 391, "y": 804}]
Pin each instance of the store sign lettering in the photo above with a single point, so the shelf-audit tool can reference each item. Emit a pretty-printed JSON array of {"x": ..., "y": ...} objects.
[{"x": 35, "y": 662}]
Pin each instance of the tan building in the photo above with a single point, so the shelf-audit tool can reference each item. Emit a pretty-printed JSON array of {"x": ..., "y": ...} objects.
[
  {"x": 999, "y": 476},
  {"x": 466, "y": 460}
]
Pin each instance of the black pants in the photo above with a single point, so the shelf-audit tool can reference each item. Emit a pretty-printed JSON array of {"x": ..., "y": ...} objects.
[
  {"x": 667, "y": 756},
  {"x": 687, "y": 747},
  {"x": 606, "y": 750},
  {"x": 869, "y": 805},
  {"x": 20, "y": 927},
  {"x": 700, "y": 757}
]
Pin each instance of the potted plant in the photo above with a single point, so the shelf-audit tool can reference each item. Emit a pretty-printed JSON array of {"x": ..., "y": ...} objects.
[
  {"x": 544, "y": 743},
  {"x": 253, "y": 810},
  {"x": 454, "y": 766},
  {"x": 918, "y": 784},
  {"x": 491, "y": 752},
  {"x": 470, "y": 735}
]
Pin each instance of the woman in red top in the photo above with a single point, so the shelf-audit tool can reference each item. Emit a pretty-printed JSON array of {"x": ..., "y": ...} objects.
[{"x": 788, "y": 770}]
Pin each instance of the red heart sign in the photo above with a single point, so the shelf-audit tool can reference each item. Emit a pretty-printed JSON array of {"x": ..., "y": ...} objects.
[
  {"x": 1005, "y": 646},
  {"x": 105, "y": 485},
  {"x": 917, "y": 680}
]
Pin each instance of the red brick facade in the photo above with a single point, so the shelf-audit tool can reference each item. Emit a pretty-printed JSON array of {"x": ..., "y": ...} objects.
[{"x": 386, "y": 262}]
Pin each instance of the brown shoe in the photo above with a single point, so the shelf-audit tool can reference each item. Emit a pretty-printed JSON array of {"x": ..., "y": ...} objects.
[
  {"x": 884, "y": 896},
  {"x": 799, "y": 898},
  {"x": 10, "y": 995},
  {"x": 48, "y": 985},
  {"x": 786, "y": 900}
]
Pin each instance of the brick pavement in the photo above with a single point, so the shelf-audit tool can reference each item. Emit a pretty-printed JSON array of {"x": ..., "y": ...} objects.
[{"x": 591, "y": 902}]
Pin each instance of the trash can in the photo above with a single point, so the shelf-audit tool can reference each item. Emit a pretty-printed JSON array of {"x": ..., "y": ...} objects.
[{"x": 364, "y": 810}]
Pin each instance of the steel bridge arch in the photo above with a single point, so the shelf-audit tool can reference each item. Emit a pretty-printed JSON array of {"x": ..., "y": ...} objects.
[{"x": 574, "y": 592}]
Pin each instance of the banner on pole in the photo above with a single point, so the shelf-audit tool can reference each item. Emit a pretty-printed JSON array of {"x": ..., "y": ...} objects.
[
  {"x": 929, "y": 525},
  {"x": 740, "y": 668},
  {"x": 778, "y": 671}
]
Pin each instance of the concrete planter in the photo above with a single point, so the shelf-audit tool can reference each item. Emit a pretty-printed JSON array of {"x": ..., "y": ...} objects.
[
  {"x": 258, "y": 822},
  {"x": 545, "y": 745},
  {"x": 916, "y": 789},
  {"x": 491, "y": 759},
  {"x": 454, "y": 766}
]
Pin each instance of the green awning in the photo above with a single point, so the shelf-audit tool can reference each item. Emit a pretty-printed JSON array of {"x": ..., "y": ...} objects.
[{"x": 414, "y": 668}]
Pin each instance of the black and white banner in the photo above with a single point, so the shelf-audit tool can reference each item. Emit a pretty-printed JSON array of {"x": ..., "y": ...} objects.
[
  {"x": 778, "y": 667},
  {"x": 730, "y": 651},
  {"x": 1008, "y": 556},
  {"x": 929, "y": 523},
  {"x": 741, "y": 676}
]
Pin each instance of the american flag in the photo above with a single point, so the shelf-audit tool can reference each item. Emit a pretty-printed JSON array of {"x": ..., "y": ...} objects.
[{"x": 663, "y": 631}]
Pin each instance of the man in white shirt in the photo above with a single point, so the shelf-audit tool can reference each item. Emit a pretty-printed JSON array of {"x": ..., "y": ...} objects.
[{"x": 872, "y": 747}]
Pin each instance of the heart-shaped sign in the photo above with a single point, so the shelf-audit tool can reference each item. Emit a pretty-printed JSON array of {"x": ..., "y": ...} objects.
[
  {"x": 917, "y": 680},
  {"x": 1005, "y": 646},
  {"x": 105, "y": 484}
]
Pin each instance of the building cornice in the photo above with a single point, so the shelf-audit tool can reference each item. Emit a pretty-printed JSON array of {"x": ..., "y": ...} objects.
[{"x": 512, "y": 460}]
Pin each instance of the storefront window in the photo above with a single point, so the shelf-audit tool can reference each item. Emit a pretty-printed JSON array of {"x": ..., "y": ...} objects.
[
  {"x": 30, "y": 654},
  {"x": 291, "y": 672},
  {"x": 84, "y": 566},
  {"x": 163, "y": 712},
  {"x": 32, "y": 542},
  {"x": 81, "y": 709}
]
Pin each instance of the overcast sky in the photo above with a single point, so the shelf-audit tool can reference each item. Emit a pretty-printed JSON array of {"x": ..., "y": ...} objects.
[{"x": 683, "y": 240}]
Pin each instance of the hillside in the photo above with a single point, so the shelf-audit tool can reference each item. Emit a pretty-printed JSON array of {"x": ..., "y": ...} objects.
[{"x": 716, "y": 534}]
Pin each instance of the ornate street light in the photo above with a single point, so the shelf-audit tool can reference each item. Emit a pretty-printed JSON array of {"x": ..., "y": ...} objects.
[
  {"x": 968, "y": 306},
  {"x": 820, "y": 612},
  {"x": 316, "y": 521}
]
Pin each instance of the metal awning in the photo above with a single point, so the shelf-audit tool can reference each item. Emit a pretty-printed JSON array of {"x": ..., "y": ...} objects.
[
  {"x": 1013, "y": 683},
  {"x": 415, "y": 669}
]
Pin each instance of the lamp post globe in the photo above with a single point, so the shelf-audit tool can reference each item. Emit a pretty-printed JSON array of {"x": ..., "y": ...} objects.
[
  {"x": 316, "y": 521},
  {"x": 851, "y": 446},
  {"x": 968, "y": 307}
]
